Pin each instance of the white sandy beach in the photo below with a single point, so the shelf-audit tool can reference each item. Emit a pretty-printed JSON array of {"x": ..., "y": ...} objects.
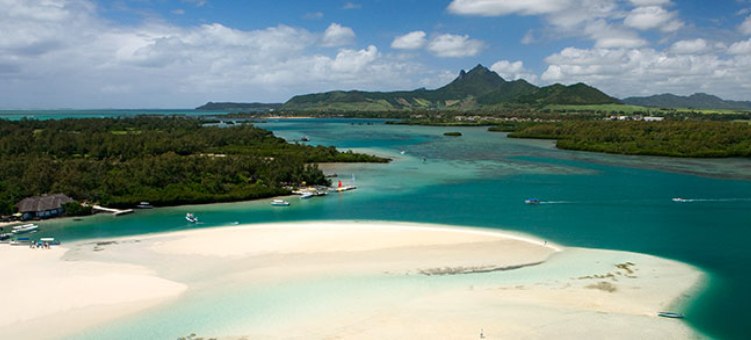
[{"x": 507, "y": 285}]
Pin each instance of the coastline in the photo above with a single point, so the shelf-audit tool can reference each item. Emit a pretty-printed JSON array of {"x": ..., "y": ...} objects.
[{"x": 507, "y": 284}]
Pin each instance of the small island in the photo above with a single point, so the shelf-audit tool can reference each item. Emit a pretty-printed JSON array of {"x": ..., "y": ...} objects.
[{"x": 120, "y": 162}]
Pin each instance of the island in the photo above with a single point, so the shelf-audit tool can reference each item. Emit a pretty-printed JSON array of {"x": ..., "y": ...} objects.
[{"x": 120, "y": 162}]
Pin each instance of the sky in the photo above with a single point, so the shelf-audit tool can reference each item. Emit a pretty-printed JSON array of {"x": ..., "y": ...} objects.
[{"x": 183, "y": 53}]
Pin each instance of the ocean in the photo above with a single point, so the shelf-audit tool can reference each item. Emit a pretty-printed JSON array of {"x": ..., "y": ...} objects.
[{"x": 481, "y": 179}]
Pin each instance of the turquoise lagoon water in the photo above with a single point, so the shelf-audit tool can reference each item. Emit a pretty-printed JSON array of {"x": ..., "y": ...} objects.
[{"x": 481, "y": 179}]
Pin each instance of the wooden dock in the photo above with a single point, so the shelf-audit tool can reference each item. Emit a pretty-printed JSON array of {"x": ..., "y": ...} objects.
[{"x": 114, "y": 212}]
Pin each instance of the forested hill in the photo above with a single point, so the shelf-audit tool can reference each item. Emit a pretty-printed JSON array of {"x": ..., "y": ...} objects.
[
  {"x": 165, "y": 161},
  {"x": 480, "y": 87},
  {"x": 694, "y": 101}
]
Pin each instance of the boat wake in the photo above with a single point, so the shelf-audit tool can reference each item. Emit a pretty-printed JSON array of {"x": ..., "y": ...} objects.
[
  {"x": 556, "y": 202},
  {"x": 696, "y": 200}
]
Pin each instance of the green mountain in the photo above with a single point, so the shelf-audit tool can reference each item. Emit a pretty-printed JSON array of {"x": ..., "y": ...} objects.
[
  {"x": 478, "y": 88},
  {"x": 695, "y": 101}
]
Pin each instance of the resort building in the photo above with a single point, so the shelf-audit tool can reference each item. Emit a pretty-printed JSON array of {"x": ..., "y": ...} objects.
[{"x": 45, "y": 206}]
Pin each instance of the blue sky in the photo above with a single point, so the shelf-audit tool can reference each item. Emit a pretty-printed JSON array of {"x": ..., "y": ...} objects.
[{"x": 182, "y": 53}]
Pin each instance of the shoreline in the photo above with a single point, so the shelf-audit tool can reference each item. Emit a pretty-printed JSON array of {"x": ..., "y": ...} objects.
[{"x": 555, "y": 281}]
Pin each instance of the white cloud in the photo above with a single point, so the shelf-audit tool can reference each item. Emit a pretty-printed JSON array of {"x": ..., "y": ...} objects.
[
  {"x": 61, "y": 54},
  {"x": 313, "y": 16},
  {"x": 652, "y": 17},
  {"x": 351, "y": 5},
  {"x": 338, "y": 35},
  {"x": 513, "y": 70},
  {"x": 610, "y": 36},
  {"x": 351, "y": 61},
  {"x": 504, "y": 7},
  {"x": 643, "y": 3},
  {"x": 741, "y": 48},
  {"x": 689, "y": 46},
  {"x": 197, "y": 3},
  {"x": 644, "y": 71},
  {"x": 410, "y": 41},
  {"x": 745, "y": 27},
  {"x": 608, "y": 23},
  {"x": 454, "y": 46}
]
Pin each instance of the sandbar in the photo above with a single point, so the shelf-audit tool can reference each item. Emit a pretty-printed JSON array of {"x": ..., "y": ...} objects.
[{"x": 472, "y": 282}]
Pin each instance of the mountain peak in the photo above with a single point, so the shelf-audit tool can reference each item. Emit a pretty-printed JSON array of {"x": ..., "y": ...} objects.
[
  {"x": 480, "y": 68},
  {"x": 479, "y": 80}
]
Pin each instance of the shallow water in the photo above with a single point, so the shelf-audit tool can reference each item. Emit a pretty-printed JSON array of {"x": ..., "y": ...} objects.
[{"x": 482, "y": 178}]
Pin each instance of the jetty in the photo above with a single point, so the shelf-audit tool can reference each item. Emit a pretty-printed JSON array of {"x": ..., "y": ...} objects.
[{"x": 114, "y": 212}]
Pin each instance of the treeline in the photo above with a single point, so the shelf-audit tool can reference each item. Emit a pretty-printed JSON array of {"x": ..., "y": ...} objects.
[
  {"x": 163, "y": 160},
  {"x": 666, "y": 138}
]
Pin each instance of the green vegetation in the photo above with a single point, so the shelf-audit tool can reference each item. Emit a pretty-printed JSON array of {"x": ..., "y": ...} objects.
[
  {"x": 76, "y": 209},
  {"x": 694, "y": 101},
  {"x": 165, "y": 161},
  {"x": 667, "y": 138}
]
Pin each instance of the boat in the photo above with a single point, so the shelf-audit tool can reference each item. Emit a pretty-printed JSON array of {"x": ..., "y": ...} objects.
[
  {"x": 305, "y": 139},
  {"x": 672, "y": 315},
  {"x": 51, "y": 241},
  {"x": 191, "y": 218},
  {"x": 25, "y": 228},
  {"x": 680, "y": 199},
  {"x": 144, "y": 205},
  {"x": 532, "y": 201},
  {"x": 306, "y": 195},
  {"x": 5, "y": 236},
  {"x": 341, "y": 187},
  {"x": 279, "y": 203},
  {"x": 402, "y": 152}
]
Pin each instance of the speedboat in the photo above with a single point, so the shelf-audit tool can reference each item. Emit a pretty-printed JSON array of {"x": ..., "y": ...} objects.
[
  {"x": 680, "y": 199},
  {"x": 191, "y": 218},
  {"x": 532, "y": 201},
  {"x": 279, "y": 203},
  {"x": 672, "y": 315},
  {"x": 25, "y": 228},
  {"x": 144, "y": 205}
]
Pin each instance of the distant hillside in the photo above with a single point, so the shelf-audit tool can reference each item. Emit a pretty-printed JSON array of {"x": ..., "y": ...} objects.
[
  {"x": 695, "y": 101},
  {"x": 240, "y": 106},
  {"x": 480, "y": 87}
]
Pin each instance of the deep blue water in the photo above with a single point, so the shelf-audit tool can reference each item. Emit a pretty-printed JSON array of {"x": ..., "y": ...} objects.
[{"x": 482, "y": 178}]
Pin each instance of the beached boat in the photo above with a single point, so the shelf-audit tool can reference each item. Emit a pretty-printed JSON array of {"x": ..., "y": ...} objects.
[
  {"x": 672, "y": 315},
  {"x": 532, "y": 201},
  {"x": 279, "y": 203},
  {"x": 25, "y": 228},
  {"x": 144, "y": 205},
  {"x": 191, "y": 218}
]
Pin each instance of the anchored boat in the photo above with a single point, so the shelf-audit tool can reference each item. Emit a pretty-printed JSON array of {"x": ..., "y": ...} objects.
[
  {"x": 279, "y": 203},
  {"x": 25, "y": 228},
  {"x": 191, "y": 218}
]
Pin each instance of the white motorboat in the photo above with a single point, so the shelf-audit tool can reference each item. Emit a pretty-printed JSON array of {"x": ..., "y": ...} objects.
[
  {"x": 25, "y": 228},
  {"x": 279, "y": 203},
  {"x": 191, "y": 218}
]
